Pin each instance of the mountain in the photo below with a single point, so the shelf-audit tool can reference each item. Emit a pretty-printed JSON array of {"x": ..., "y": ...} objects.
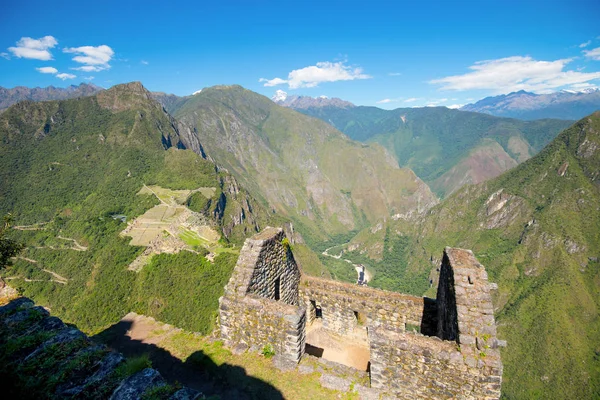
[
  {"x": 528, "y": 106},
  {"x": 445, "y": 148},
  {"x": 305, "y": 102},
  {"x": 169, "y": 101},
  {"x": 8, "y": 97},
  {"x": 97, "y": 186},
  {"x": 535, "y": 228},
  {"x": 301, "y": 167}
]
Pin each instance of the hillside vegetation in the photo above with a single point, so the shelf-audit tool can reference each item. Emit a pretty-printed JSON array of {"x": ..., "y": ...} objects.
[
  {"x": 301, "y": 167},
  {"x": 437, "y": 142},
  {"x": 70, "y": 172},
  {"x": 535, "y": 228}
]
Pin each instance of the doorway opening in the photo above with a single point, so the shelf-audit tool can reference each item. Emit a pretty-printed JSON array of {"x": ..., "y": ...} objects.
[{"x": 277, "y": 289}]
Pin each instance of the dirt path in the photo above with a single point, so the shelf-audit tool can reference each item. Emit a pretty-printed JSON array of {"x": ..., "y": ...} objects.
[
  {"x": 32, "y": 227},
  {"x": 58, "y": 278},
  {"x": 137, "y": 334},
  {"x": 76, "y": 245}
]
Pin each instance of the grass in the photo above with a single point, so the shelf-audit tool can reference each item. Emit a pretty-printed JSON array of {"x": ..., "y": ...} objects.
[
  {"x": 187, "y": 347},
  {"x": 134, "y": 365}
]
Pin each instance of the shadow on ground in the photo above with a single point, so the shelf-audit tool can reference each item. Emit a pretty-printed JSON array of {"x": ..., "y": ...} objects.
[{"x": 199, "y": 371}]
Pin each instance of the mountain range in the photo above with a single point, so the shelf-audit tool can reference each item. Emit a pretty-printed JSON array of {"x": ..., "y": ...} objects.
[
  {"x": 301, "y": 167},
  {"x": 565, "y": 104},
  {"x": 446, "y": 148},
  {"x": 535, "y": 228},
  {"x": 305, "y": 102},
  {"x": 80, "y": 175},
  {"x": 8, "y": 97}
]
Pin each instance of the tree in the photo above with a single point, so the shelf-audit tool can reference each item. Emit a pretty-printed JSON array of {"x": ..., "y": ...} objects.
[{"x": 8, "y": 247}]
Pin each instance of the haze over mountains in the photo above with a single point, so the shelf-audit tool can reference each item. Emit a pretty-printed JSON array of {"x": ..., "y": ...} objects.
[
  {"x": 446, "y": 148},
  {"x": 564, "y": 104},
  {"x": 9, "y": 97}
]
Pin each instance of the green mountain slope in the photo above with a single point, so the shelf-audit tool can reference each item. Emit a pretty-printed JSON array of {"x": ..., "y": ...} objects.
[
  {"x": 301, "y": 167},
  {"x": 433, "y": 140},
  {"x": 535, "y": 228},
  {"x": 72, "y": 171}
]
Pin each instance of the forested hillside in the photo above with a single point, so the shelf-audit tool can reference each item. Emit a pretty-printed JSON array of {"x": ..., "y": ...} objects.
[
  {"x": 535, "y": 228},
  {"x": 446, "y": 148},
  {"x": 72, "y": 174}
]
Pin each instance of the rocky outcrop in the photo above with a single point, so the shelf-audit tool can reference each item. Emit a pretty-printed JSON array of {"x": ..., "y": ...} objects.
[{"x": 41, "y": 357}]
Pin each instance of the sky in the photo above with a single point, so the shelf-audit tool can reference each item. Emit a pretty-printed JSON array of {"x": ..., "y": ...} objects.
[{"x": 388, "y": 54}]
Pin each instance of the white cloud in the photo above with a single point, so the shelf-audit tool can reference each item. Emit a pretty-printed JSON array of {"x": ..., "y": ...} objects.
[
  {"x": 594, "y": 54},
  {"x": 385, "y": 101},
  {"x": 586, "y": 44},
  {"x": 515, "y": 73},
  {"x": 93, "y": 58},
  {"x": 36, "y": 49},
  {"x": 272, "y": 82},
  {"x": 196, "y": 92},
  {"x": 395, "y": 73},
  {"x": 313, "y": 75},
  {"x": 91, "y": 68},
  {"x": 144, "y": 62},
  {"x": 411, "y": 100},
  {"x": 5, "y": 56},
  {"x": 455, "y": 106},
  {"x": 65, "y": 76},
  {"x": 47, "y": 70},
  {"x": 88, "y": 78}
]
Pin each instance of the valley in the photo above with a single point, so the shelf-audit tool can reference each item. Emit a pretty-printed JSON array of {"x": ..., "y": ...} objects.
[{"x": 165, "y": 204}]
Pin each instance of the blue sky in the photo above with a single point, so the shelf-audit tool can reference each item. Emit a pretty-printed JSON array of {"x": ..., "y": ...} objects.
[{"x": 390, "y": 54}]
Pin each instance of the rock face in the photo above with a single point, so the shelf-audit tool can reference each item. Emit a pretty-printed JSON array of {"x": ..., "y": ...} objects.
[
  {"x": 41, "y": 357},
  {"x": 454, "y": 356},
  {"x": 301, "y": 167}
]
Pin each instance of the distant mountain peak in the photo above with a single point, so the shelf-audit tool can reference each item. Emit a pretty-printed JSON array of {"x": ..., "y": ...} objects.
[
  {"x": 304, "y": 102},
  {"x": 279, "y": 95},
  {"x": 569, "y": 104},
  {"x": 9, "y": 97}
]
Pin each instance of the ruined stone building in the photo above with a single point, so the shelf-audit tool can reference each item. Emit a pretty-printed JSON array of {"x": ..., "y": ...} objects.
[{"x": 417, "y": 347}]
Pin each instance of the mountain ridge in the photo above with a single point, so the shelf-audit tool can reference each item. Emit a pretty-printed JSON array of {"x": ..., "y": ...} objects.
[
  {"x": 433, "y": 140},
  {"x": 535, "y": 228},
  {"x": 9, "y": 97},
  {"x": 302, "y": 157},
  {"x": 565, "y": 104}
]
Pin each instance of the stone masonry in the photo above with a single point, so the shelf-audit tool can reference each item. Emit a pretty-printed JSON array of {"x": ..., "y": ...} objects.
[
  {"x": 420, "y": 348},
  {"x": 260, "y": 305}
]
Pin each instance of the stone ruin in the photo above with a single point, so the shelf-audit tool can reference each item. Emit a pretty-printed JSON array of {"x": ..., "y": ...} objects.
[{"x": 419, "y": 347}]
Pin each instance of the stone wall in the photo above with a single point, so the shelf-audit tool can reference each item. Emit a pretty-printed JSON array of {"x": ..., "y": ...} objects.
[
  {"x": 260, "y": 305},
  {"x": 252, "y": 323},
  {"x": 412, "y": 366},
  {"x": 474, "y": 308},
  {"x": 267, "y": 302},
  {"x": 340, "y": 301},
  {"x": 466, "y": 364}
]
